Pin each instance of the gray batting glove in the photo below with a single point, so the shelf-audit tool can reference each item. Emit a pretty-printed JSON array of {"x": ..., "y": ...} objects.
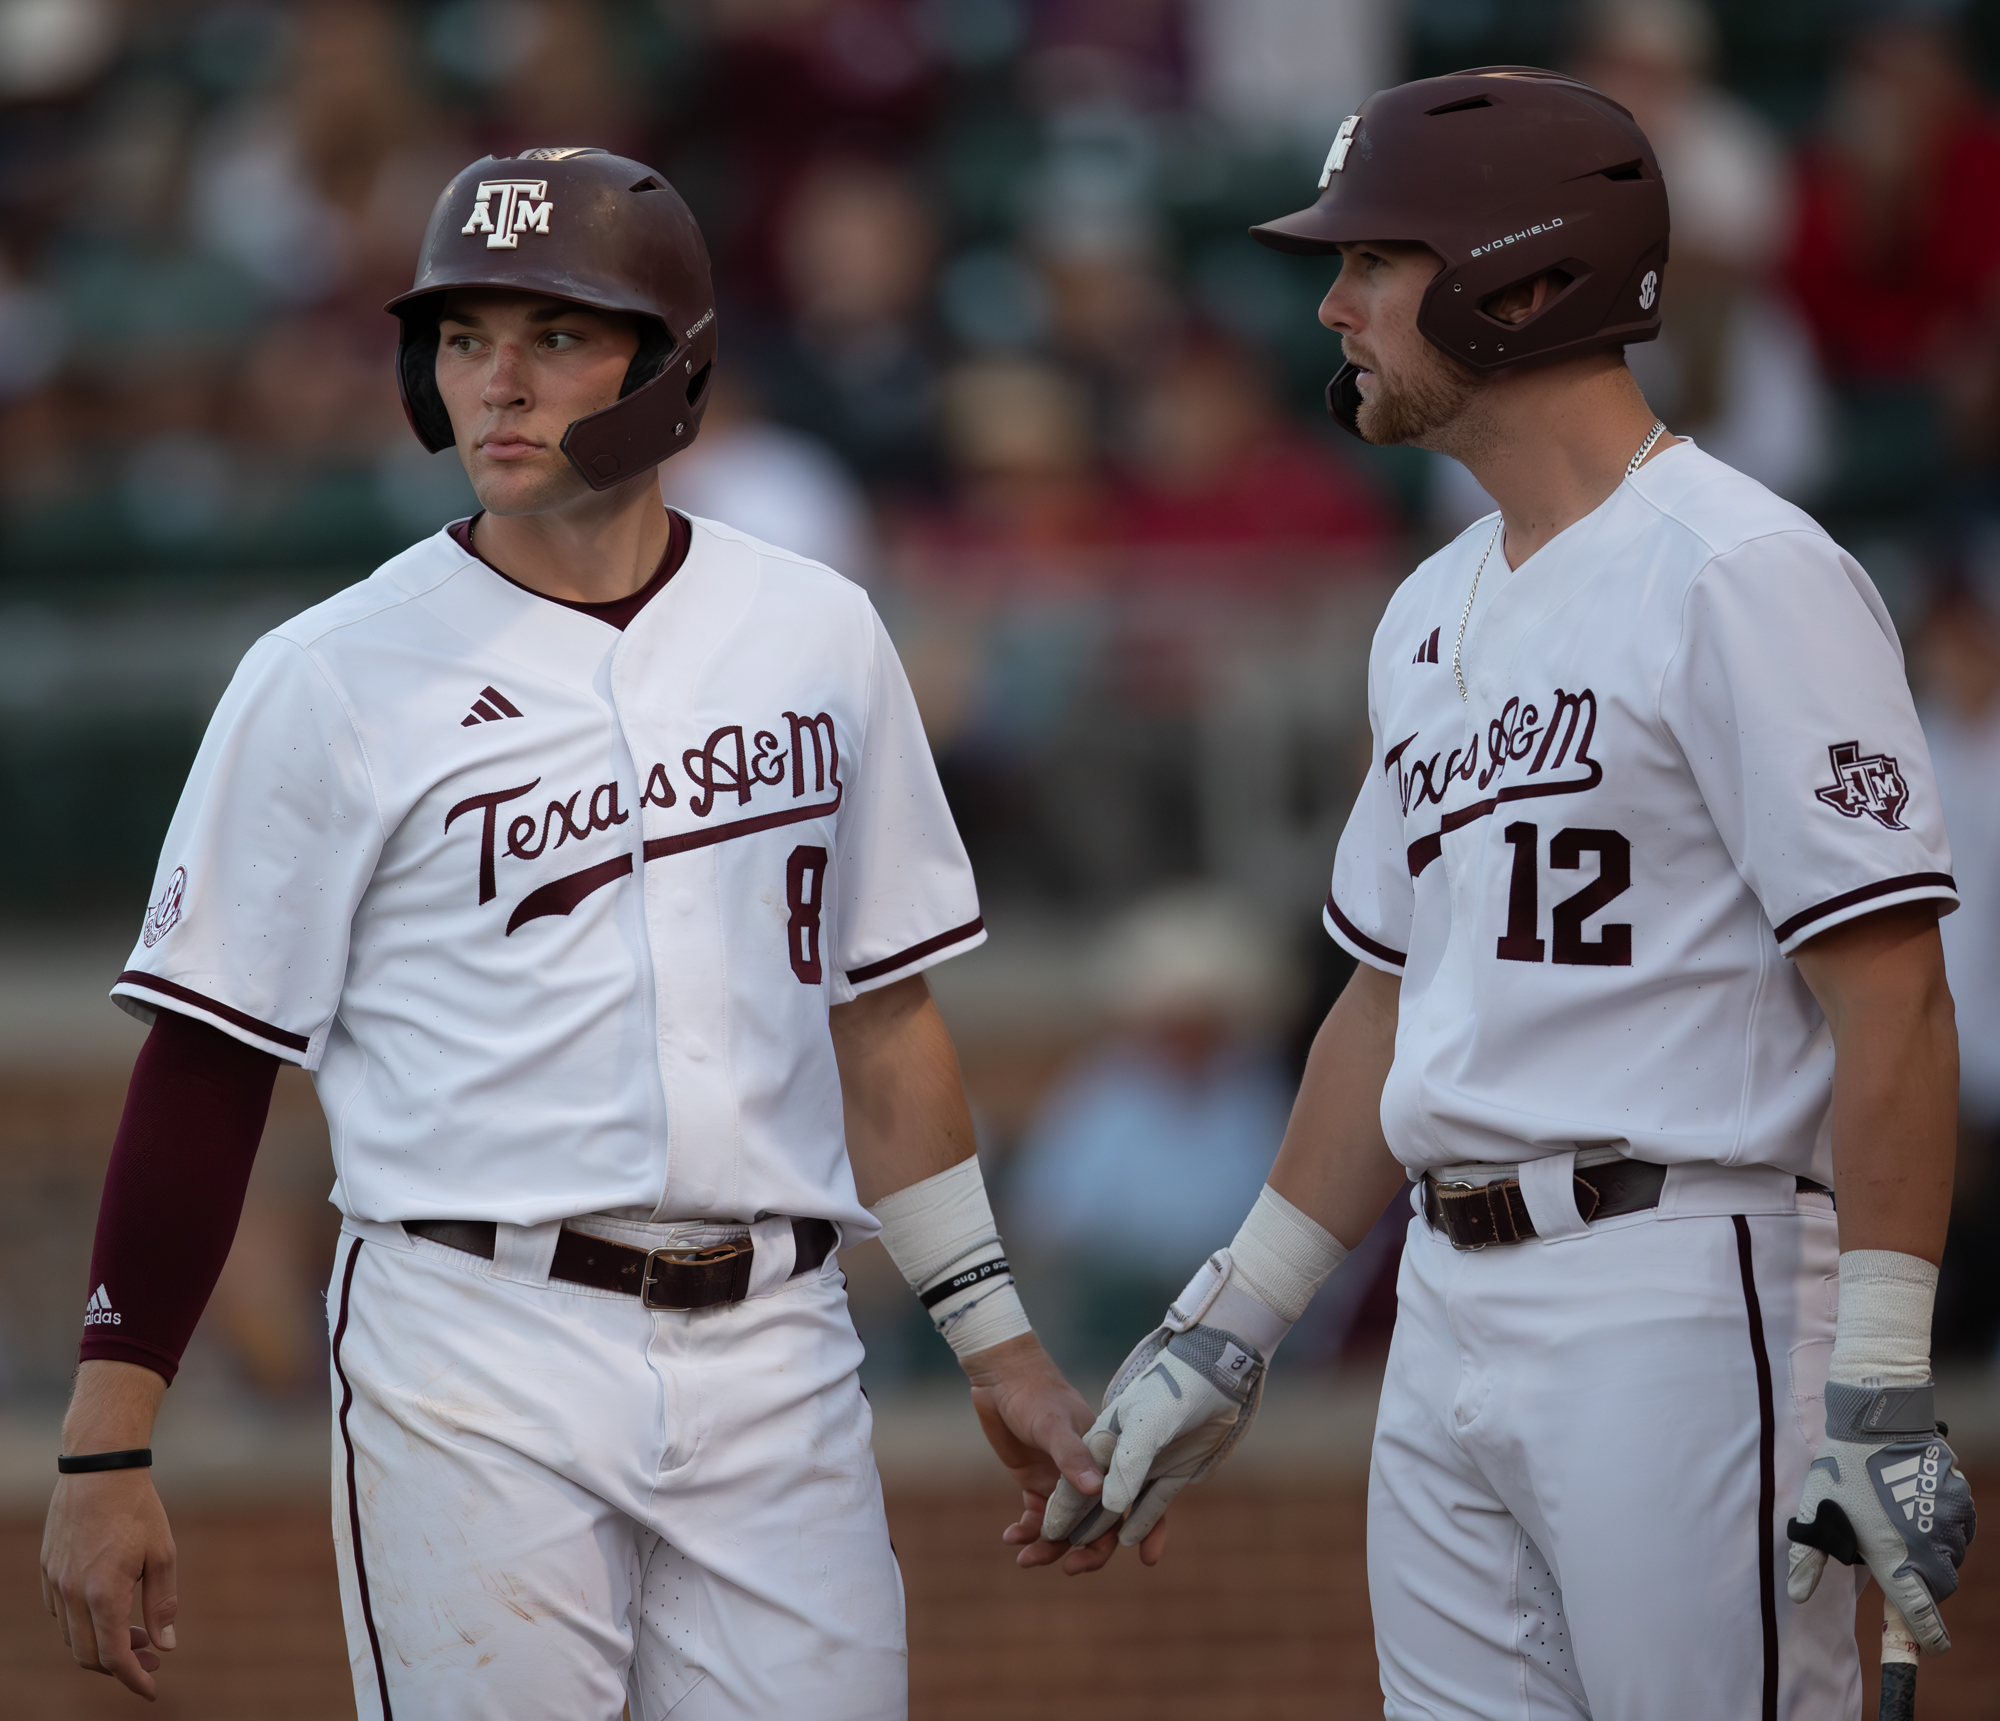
[
  {"x": 1887, "y": 1490},
  {"x": 1172, "y": 1413}
]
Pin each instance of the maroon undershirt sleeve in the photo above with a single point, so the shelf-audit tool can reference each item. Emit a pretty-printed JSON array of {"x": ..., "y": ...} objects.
[{"x": 193, "y": 1117}]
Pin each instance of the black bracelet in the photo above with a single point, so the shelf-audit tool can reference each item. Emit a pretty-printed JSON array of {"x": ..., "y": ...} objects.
[
  {"x": 138, "y": 1458},
  {"x": 964, "y": 1281}
]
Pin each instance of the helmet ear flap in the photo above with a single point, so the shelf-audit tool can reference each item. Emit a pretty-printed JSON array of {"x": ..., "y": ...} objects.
[
  {"x": 656, "y": 346},
  {"x": 416, "y": 380}
]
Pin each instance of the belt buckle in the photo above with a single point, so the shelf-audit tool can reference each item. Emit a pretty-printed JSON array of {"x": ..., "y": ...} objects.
[
  {"x": 1458, "y": 1186},
  {"x": 711, "y": 1255}
]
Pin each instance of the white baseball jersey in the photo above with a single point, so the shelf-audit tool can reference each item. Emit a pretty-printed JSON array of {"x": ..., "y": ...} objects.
[
  {"x": 1687, "y": 746},
  {"x": 553, "y": 912}
]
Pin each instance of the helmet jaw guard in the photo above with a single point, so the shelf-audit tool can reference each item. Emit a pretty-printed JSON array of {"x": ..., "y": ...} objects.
[
  {"x": 648, "y": 424},
  {"x": 1506, "y": 173},
  {"x": 595, "y": 229},
  {"x": 1343, "y": 399}
]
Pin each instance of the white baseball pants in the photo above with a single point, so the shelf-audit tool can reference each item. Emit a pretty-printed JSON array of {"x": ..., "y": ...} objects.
[
  {"x": 1585, "y": 1456},
  {"x": 550, "y": 1501}
]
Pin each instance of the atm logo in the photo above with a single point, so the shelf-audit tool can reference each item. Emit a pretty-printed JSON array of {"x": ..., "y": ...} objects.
[
  {"x": 1871, "y": 785},
  {"x": 504, "y": 209}
]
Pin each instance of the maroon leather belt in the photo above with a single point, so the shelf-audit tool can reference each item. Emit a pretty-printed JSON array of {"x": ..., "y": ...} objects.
[
  {"x": 677, "y": 1279},
  {"x": 1478, "y": 1215}
]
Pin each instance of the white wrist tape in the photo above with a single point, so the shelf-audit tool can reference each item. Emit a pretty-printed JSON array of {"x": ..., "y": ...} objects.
[
  {"x": 1261, "y": 1284},
  {"x": 1883, "y": 1334},
  {"x": 941, "y": 1235}
]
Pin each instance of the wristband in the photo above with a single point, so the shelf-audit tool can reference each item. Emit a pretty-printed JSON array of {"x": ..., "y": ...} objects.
[
  {"x": 941, "y": 1234},
  {"x": 137, "y": 1458},
  {"x": 1282, "y": 1256},
  {"x": 1882, "y": 1335},
  {"x": 1260, "y": 1284}
]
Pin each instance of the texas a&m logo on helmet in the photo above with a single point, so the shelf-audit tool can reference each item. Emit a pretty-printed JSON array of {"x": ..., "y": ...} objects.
[{"x": 504, "y": 209}]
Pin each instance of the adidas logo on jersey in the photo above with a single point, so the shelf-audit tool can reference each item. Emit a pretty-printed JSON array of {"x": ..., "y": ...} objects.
[
  {"x": 490, "y": 707},
  {"x": 1913, "y": 1485},
  {"x": 98, "y": 1312},
  {"x": 1427, "y": 650}
]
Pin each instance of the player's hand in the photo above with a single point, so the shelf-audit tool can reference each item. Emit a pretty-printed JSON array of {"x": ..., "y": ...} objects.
[
  {"x": 106, "y": 1536},
  {"x": 1171, "y": 1414},
  {"x": 1901, "y": 1504},
  {"x": 1033, "y": 1419}
]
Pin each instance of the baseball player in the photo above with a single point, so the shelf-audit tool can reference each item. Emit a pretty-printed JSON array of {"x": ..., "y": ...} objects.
[
  {"x": 1643, "y": 887},
  {"x": 590, "y": 858}
]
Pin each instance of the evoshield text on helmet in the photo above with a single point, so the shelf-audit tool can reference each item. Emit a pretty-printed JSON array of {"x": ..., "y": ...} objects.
[
  {"x": 1506, "y": 173},
  {"x": 598, "y": 230}
]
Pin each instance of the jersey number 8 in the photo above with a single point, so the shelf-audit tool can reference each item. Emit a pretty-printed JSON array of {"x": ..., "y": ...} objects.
[{"x": 805, "y": 886}]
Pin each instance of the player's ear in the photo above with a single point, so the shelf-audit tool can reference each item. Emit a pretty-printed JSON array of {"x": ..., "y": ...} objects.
[{"x": 1525, "y": 299}]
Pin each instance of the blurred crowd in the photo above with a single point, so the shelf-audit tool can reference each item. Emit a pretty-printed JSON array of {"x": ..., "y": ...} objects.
[
  {"x": 995, "y": 343},
  {"x": 947, "y": 241},
  {"x": 986, "y": 298}
]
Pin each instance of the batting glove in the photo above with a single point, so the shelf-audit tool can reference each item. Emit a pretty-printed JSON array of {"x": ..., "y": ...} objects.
[
  {"x": 1172, "y": 1413},
  {"x": 1887, "y": 1490},
  {"x": 1188, "y": 1393}
]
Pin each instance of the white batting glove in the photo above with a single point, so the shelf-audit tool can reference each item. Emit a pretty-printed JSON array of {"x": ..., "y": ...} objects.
[
  {"x": 1173, "y": 1412},
  {"x": 1187, "y": 1394},
  {"x": 1887, "y": 1490}
]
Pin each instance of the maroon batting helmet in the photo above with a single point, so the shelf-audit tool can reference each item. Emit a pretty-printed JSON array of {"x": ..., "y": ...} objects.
[
  {"x": 596, "y": 229},
  {"x": 1506, "y": 172}
]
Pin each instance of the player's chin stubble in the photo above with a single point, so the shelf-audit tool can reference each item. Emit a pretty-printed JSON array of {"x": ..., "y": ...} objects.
[{"x": 1425, "y": 397}]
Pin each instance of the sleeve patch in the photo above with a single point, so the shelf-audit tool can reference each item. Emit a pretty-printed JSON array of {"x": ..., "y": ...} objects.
[
  {"x": 164, "y": 913},
  {"x": 1869, "y": 785}
]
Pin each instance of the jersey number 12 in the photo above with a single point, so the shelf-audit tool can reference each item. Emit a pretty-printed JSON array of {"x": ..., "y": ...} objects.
[{"x": 1612, "y": 948}]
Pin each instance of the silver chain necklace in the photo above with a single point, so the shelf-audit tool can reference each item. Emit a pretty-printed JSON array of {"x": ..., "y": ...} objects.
[{"x": 1458, "y": 645}]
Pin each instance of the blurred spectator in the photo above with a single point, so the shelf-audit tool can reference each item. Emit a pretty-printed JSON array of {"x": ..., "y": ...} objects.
[
  {"x": 1093, "y": 227},
  {"x": 1895, "y": 253},
  {"x": 1128, "y": 49},
  {"x": 776, "y": 484},
  {"x": 1027, "y": 477},
  {"x": 789, "y": 83},
  {"x": 1895, "y": 257},
  {"x": 1214, "y": 464},
  {"x": 1142, "y": 1158},
  {"x": 1291, "y": 70},
  {"x": 1958, "y": 656},
  {"x": 51, "y": 48},
  {"x": 312, "y": 391},
  {"x": 326, "y": 182},
  {"x": 857, "y": 365},
  {"x": 1734, "y": 365},
  {"x": 563, "y": 85}
]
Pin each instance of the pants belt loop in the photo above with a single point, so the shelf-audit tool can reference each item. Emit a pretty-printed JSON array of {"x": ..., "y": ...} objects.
[
  {"x": 774, "y": 1255},
  {"x": 1548, "y": 1190},
  {"x": 523, "y": 1253}
]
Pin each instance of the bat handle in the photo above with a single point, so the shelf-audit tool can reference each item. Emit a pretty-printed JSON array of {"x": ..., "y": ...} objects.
[{"x": 1899, "y": 1666}]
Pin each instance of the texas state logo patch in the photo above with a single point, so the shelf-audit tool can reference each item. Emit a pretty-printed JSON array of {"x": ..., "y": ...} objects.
[{"x": 1869, "y": 785}]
